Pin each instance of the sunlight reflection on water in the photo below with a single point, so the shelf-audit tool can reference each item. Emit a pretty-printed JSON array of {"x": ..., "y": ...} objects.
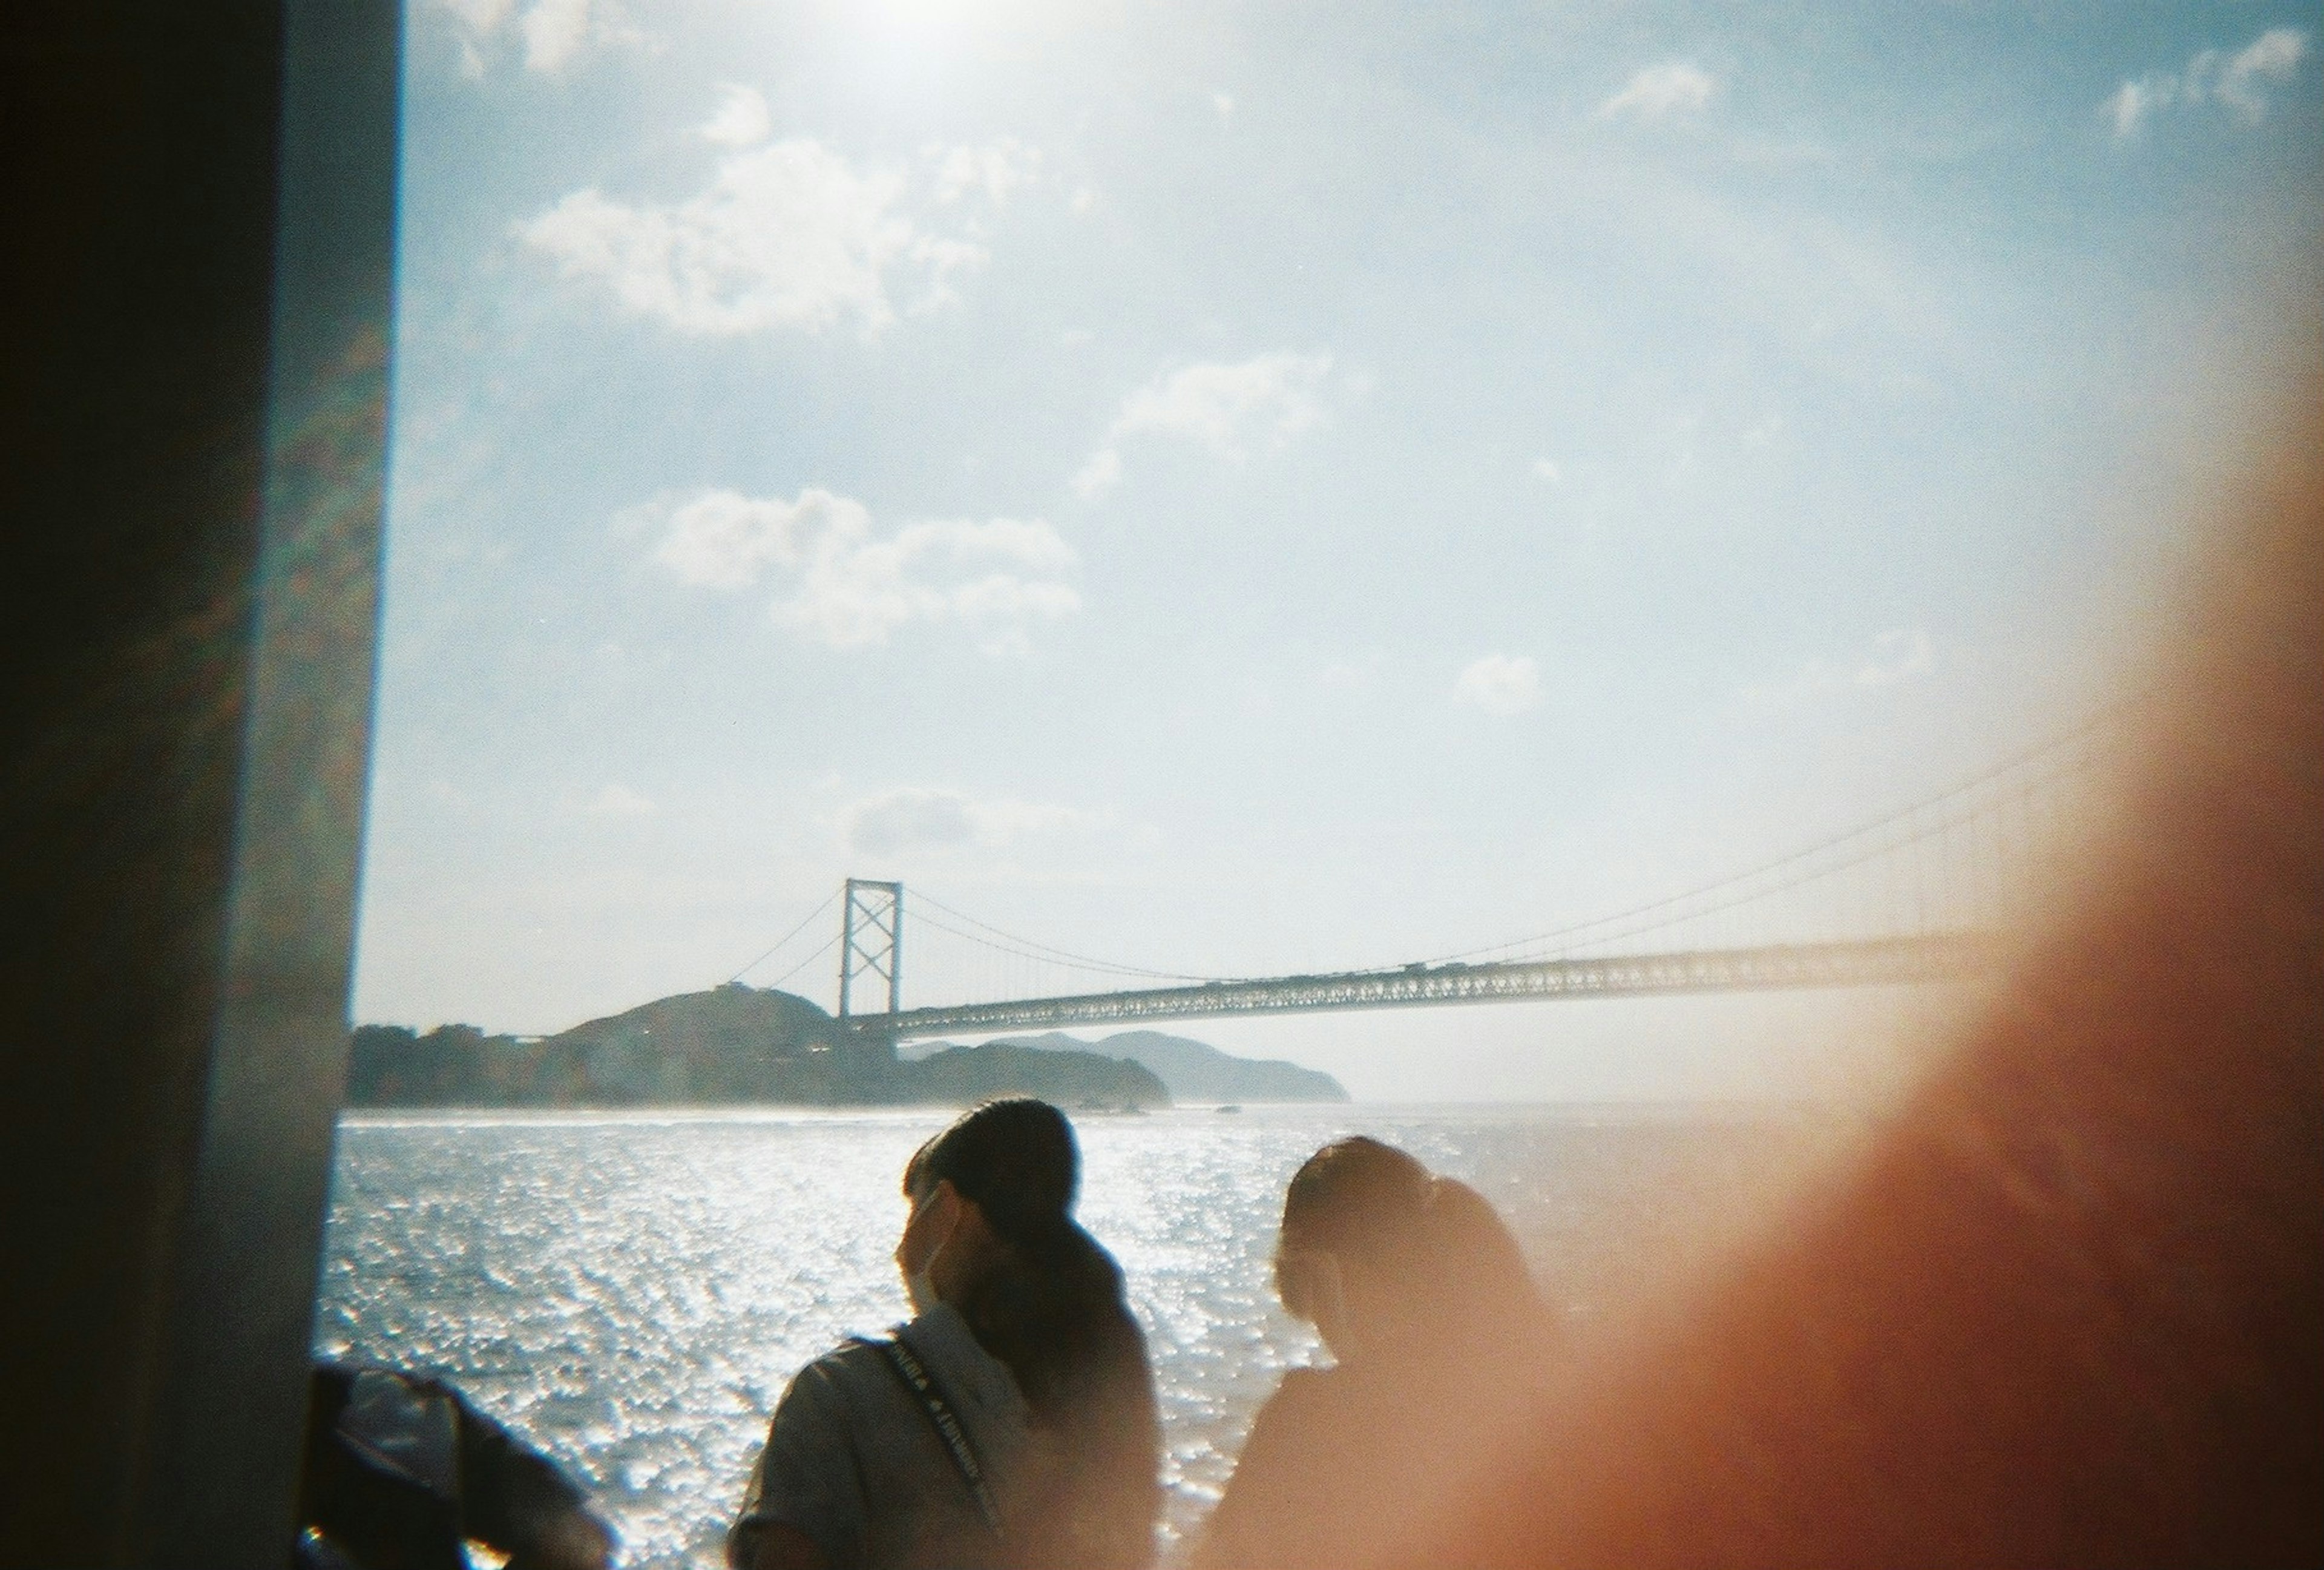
[{"x": 631, "y": 1292}]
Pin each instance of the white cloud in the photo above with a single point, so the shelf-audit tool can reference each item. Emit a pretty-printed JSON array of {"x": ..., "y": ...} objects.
[
  {"x": 1267, "y": 399},
  {"x": 996, "y": 168},
  {"x": 1675, "y": 87},
  {"x": 903, "y": 819},
  {"x": 723, "y": 539},
  {"x": 787, "y": 236},
  {"x": 1898, "y": 655},
  {"x": 1100, "y": 475},
  {"x": 2238, "y": 82},
  {"x": 992, "y": 578},
  {"x": 479, "y": 19},
  {"x": 742, "y": 119},
  {"x": 1500, "y": 684},
  {"x": 917, "y": 818},
  {"x": 2272, "y": 57},
  {"x": 618, "y": 800},
  {"x": 1548, "y": 469},
  {"x": 845, "y": 585},
  {"x": 554, "y": 31},
  {"x": 1272, "y": 396},
  {"x": 2134, "y": 101},
  {"x": 550, "y": 34},
  {"x": 1224, "y": 103}
]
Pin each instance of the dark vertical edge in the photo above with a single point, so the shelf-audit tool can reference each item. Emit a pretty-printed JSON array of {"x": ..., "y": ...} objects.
[
  {"x": 221, "y": 1467},
  {"x": 138, "y": 150}
]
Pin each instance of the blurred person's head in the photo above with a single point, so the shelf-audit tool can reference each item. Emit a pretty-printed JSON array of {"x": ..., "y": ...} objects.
[{"x": 1388, "y": 1259}]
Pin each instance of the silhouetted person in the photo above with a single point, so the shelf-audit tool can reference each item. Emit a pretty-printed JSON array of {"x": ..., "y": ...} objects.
[
  {"x": 1421, "y": 1295},
  {"x": 1017, "y": 1428},
  {"x": 400, "y": 1471}
]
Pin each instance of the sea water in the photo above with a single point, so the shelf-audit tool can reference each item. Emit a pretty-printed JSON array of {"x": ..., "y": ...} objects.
[{"x": 631, "y": 1292}]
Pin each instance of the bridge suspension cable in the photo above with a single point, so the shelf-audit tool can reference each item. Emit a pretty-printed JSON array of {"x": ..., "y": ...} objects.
[
  {"x": 1028, "y": 948},
  {"x": 1962, "y": 804},
  {"x": 827, "y": 945},
  {"x": 828, "y": 901},
  {"x": 1940, "y": 869}
]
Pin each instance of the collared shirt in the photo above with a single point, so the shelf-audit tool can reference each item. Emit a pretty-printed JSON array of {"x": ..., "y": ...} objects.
[{"x": 852, "y": 1461}]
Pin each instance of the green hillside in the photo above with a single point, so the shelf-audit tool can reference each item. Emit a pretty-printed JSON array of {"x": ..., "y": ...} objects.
[{"x": 733, "y": 1046}]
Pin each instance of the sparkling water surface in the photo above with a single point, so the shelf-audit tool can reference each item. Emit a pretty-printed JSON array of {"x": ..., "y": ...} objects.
[{"x": 631, "y": 1292}]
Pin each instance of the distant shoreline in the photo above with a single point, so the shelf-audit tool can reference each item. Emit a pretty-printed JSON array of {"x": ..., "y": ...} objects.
[
  {"x": 1640, "y": 1112},
  {"x": 742, "y": 1046}
]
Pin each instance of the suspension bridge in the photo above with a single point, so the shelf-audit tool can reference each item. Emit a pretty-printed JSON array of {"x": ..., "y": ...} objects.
[{"x": 1917, "y": 895}]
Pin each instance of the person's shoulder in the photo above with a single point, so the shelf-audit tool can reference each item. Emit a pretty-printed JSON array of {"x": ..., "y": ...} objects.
[
  {"x": 1276, "y": 1475},
  {"x": 1311, "y": 1387},
  {"x": 938, "y": 1333},
  {"x": 963, "y": 1368},
  {"x": 853, "y": 1362},
  {"x": 1304, "y": 1398},
  {"x": 829, "y": 1397}
]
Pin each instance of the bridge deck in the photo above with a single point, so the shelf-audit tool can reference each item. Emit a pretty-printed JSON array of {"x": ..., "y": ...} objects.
[{"x": 1937, "y": 956}]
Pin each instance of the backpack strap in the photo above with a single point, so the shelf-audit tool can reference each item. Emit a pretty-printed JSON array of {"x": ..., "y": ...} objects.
[{"x": 906, "y": 1364}]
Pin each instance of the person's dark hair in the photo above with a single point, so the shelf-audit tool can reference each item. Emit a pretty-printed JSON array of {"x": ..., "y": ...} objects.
[
  {"x": 1357, "y": 1198},
  {"x": 1438, "y": 1244},
  {"x": 1051, "y": 1309}
]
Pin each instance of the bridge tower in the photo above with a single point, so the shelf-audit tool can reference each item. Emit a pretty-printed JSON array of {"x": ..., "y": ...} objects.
[{"x": 871, "y": 938}]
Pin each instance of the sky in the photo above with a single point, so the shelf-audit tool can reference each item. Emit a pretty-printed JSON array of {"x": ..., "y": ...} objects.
[{"x": 1237, "y": 490}]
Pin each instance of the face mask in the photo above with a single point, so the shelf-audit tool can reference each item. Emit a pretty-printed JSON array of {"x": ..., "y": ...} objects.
[
  {"x": 921, "y": 1284},
  {"x": 921, "y": 1287}
]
